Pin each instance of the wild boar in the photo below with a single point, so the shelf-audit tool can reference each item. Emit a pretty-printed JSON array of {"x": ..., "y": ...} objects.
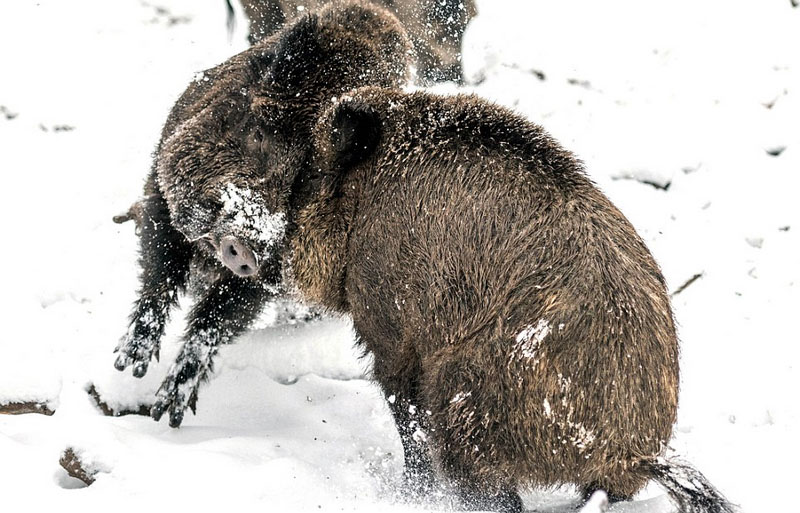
[
  {"x": 217, "y": 200},
  {"x": 521, "y": 330}
]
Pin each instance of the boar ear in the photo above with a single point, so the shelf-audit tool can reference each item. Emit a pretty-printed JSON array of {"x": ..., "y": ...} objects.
[{"x": 356, "y": 130}]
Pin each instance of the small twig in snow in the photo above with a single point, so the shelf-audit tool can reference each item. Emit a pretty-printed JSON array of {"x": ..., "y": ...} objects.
[
  {"x": 580, "y": 83},
  {"x": 108, "y": 411},
  {"x": 23, "y": 408},
  {"x": 662, "y": 186},
  {"x": 775, "y": 151},
  {"x": 687, "y": 283},
  {"x": 7, "y": 113},
  {"x": 75, "y": 467},
  {"x": 535, "y": 72}
]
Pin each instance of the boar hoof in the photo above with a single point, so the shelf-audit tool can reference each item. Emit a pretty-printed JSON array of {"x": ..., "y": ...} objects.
[
  {"x": 505, "y": 501},
  {"x": 177, "y": 392},
  {"x": 136, "y": 351}
]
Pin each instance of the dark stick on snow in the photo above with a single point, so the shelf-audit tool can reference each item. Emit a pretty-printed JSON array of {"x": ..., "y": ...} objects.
[
  {"x": 686, "y": 284},
  {"x": 7, "y": 113},
  {"x": 580, "y": 83},
  {"x": 108, "y": 411},
  {"x": 23, "y": 408},
  {"x": 74, "y": 467},
  {"x": 136, "y": 212},
  {"x": 776, "y": 151},
  {"x": 535, "y": 72},
  {"x": 662, "y": 186}
]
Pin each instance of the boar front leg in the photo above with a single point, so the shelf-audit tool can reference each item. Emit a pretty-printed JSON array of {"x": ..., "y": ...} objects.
[
  {"x": 225, "y": 311},
  {"x": 165, "y": 255}
]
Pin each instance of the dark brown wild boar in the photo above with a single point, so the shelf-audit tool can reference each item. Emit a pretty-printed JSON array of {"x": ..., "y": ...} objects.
[
  {"x": 436, "y": 28},
  {"x": 520, "y": 328},
  {"x": 217, "y": 200}
]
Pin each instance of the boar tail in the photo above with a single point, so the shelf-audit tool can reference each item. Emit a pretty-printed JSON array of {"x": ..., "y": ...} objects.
[{"x": 688, "y": 487}]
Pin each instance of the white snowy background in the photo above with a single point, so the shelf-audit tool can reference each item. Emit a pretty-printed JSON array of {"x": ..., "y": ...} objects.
[{"x": 695, "y": 94}]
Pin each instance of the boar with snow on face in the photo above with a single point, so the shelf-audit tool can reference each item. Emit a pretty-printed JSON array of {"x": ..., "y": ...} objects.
[
  {"x": 232, "y": 156},
  {"x": 521, "y": 330}
]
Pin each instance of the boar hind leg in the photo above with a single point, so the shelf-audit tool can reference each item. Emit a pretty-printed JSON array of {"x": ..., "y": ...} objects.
[
  {"x": 226, "y": 310},
  {"x": 467, "y": 428},
  {"x": 165, "y": 255},
  {"x": 399, "y": 380}
]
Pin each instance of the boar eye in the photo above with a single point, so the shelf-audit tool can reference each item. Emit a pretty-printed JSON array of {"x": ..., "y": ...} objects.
[{"x": 255, "y": 139}]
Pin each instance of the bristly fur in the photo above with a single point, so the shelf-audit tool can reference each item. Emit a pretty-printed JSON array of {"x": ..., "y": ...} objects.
[
  {"x": 519, "y": 326},
  {"x": 436, "y": 28},
  {"x": 241, "y": 135}
]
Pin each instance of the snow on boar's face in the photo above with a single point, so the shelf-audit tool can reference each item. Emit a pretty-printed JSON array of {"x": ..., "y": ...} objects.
[
  {"x": 229, "y": 171},
  {"x": 227, "y": 176}
]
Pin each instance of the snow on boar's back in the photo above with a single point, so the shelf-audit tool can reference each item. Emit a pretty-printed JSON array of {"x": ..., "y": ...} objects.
[
  {"x": 217, "y": 202},
  {"x": 520, "y": 328}
]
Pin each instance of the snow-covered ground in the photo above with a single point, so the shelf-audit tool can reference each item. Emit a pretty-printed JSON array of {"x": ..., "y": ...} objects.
[{"x": 699, "y": 98}]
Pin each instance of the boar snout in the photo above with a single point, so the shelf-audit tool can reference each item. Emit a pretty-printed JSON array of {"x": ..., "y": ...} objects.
[{"x": 237, "y": 257}]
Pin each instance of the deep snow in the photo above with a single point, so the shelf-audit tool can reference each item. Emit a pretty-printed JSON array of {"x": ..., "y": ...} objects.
[{"x": 694, "y": 97}]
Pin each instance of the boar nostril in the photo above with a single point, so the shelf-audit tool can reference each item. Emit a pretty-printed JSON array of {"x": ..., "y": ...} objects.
[{"x": 237, "y": 256}]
